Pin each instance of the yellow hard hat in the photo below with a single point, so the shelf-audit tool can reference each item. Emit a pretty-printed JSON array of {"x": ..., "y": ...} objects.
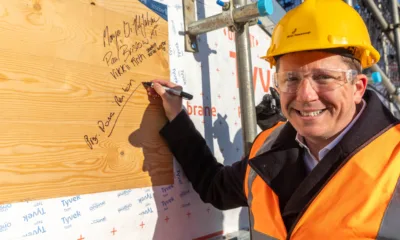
[{"x": 322, "y": 24}]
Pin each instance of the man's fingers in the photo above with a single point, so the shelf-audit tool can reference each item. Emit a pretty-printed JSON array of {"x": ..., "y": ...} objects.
[
  {"x": 151, "y": 91},
  {"x": 159, "y": 89}
]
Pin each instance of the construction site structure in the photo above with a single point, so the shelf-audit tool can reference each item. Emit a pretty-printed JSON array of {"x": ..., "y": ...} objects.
[{"x": 166, "y": 211}]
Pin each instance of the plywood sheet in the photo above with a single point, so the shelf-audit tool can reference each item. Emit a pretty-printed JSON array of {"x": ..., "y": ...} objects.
[{"x": 75, "y": 117}]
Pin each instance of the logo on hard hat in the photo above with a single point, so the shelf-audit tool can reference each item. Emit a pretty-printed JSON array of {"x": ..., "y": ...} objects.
[{"x": 294, "y": 34}]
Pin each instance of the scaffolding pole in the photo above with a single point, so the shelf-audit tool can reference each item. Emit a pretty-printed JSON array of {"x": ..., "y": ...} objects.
[
  {"x": 246, "y": 88},
  {"x": 385, "y": 54},
  {"x": 386, "y": 29},
  {"x": 379, "y": 17},
  {"x": 387, "y": 83},
  {"x": 350, "y": 2},
  {"x": 237, "y": 15},
  {"x": 396, "y": 30},
  {"x": 242, "y": 14}
]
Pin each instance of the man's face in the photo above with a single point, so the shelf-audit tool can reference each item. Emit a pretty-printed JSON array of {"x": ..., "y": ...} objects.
[{"x": 319, "y": 115}]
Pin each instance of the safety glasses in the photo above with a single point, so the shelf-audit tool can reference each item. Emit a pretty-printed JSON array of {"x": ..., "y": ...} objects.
[{"x": 321, "y": 80}]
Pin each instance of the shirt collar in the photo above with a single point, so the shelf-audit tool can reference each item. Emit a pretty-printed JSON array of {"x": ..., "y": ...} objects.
[{"x": 327, "y": 148}]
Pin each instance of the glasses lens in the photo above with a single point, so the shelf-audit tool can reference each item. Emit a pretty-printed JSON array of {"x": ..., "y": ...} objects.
[{"x": 320, "y": 79}]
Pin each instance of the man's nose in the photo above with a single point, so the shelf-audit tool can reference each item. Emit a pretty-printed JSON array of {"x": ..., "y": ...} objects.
[{"x": 306, "y": 92}]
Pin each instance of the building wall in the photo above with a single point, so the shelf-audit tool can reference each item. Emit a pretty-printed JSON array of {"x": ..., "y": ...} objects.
[{"x": 172, "y": 211}]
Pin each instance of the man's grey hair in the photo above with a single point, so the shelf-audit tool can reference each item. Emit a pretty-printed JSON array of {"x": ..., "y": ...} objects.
[{"x": 353, "y": 64}]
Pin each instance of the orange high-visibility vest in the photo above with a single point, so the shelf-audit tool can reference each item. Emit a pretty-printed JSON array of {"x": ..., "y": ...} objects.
[{"x": 360, "y": 201}]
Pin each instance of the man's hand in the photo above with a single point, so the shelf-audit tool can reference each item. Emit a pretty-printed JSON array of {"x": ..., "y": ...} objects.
[
  {"x": 172, "y": 104},
  {"x": 268, "y": 112}
]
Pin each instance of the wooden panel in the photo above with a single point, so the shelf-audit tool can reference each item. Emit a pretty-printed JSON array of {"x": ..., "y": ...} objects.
[{"x": 75, "y": 116}]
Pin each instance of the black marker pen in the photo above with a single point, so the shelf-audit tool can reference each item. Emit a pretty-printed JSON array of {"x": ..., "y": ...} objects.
[{"x": 172, "y": 91}]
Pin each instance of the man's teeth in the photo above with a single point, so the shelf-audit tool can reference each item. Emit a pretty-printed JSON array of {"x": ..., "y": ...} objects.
[{"x": 311, "y": 114}]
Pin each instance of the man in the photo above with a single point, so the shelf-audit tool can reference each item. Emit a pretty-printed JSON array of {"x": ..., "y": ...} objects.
[{"x": 330, "y": 172}]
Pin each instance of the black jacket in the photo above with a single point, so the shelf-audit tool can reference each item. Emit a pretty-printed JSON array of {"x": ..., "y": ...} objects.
[{"x": 282, "y": 167}]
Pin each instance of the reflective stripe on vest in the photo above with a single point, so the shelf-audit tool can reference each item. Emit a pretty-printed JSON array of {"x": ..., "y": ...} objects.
[
  {"x": 390, "y": 226},
  {"x": 368, "y": 208},
  {"x": 262, "y": 144},
  {"x": 255, "y": 235}
]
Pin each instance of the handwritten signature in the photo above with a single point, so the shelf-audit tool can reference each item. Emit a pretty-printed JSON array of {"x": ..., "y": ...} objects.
[
  {"x": 103, "y": 125},
  {"x": 91, "y": 141},
  {"x": 139, "y": 25},
  {"x": 123, "y": 106},
  {"x": 127, "y": 54},
  {"x": 121, "y": 101},
  {"x": 130, "y": 54},
  {"x": 126, "y": 50},
  {"x": 119, "y": 71}
]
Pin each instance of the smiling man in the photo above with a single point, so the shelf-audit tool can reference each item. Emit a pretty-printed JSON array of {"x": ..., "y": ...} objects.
[
  {"x": 332, "y": 170},
  {"x": 321, "y": 93}
]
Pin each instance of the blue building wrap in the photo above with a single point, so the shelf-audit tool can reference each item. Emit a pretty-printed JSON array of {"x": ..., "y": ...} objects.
[{"x": 158, "y": 8}]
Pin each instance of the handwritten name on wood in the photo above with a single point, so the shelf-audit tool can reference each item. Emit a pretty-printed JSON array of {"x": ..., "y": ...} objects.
[{"x": 72, "y": 98}]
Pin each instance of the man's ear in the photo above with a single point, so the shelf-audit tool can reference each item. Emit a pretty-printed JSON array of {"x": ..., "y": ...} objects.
[{"x": 360, "y": 85}]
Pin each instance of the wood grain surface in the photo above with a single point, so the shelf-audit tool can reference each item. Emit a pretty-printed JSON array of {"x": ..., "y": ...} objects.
[{"x": 75, "y": 118}]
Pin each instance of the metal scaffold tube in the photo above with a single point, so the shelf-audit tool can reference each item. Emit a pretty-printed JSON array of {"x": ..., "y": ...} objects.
[
  {"x": 387, "y": 83},
  {"x": 245, "y": 13},
  {"x": 385, "y": 54},
  {"x": 211, "y": 23},
  {"x": 238, "y": 16},
  {"x": 246, "y": 92},
  {"x": 386, "y": 29},
  {"x": 350, "y": 2},
  {"x": 379, "y": 17},
  {"x": 395, "y": 16},
  {"x": 230, "y": 16}
]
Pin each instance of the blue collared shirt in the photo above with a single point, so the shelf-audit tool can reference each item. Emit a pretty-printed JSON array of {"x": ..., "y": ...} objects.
[{"x": 309, "y": 160}]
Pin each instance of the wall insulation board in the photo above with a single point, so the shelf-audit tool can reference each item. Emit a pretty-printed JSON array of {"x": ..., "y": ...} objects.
[{"x": 75, "y": 116}]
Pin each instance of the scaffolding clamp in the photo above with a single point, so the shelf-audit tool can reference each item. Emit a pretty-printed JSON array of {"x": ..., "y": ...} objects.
[{"x": 232, "y": 17}]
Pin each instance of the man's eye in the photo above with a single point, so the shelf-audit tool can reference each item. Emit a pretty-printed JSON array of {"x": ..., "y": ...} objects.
[{"x": 292, "y": 79}]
